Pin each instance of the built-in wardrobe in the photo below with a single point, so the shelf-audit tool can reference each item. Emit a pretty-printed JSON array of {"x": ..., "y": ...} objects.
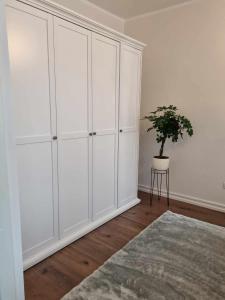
[{"x": 76, "y": 97}]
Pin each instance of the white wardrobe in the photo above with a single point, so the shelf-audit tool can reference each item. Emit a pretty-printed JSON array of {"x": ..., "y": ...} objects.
[{"x": 76, "y": 94}]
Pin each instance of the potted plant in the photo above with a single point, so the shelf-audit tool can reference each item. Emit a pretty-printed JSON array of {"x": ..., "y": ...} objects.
[{"x": 168, "y": 125}]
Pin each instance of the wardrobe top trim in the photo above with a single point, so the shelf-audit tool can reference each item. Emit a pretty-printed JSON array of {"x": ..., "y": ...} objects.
[{"x": 70, "y": 15}]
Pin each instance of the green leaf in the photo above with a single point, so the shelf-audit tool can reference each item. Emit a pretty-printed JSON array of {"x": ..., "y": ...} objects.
[{"x": 168, "y": 124}]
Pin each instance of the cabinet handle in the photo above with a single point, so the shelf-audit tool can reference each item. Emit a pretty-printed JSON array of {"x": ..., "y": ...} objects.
[
  {"x": 121, "y": 130},
  {"x": 90, "y": 133},
  {"x": 94, "y": 133},
  {"x": 54, "y": 137}
]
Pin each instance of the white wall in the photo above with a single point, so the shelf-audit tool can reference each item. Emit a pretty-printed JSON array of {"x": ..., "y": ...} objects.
[
  {"x": 93, "y": 12},
  {"x": 184, "y": 65},
  {"x": 11, "y": 268}
]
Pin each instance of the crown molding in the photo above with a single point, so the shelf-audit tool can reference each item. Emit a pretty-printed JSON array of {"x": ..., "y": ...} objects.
[
  {"x": 83, "y": 21},
  {"x": 155, "y": 12},
  {"x": 104, "y": 10}
]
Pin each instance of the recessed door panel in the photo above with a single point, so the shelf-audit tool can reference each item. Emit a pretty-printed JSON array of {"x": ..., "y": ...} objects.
[
  {"x": 71, "y": 58},
  {"x": 127, "y": 181},
  {"x": 29, "y": 55},
  {"x": 104, "y": 171},
  {"x": 72, "y": 55},
  {"x": 104, "y": 83},
  {"x": 129, "y": 87},
  {"x": 73, "y": 188},
  {"x": 35, "y": 187}
]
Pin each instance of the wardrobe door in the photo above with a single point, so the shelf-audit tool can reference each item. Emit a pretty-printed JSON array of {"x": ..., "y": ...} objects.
[
  {"x": 130, "y": 65},
  {"x": 72, "y": 53},
  {"x": 105, "y": 76},
  {"x": 31, "y": 49}
]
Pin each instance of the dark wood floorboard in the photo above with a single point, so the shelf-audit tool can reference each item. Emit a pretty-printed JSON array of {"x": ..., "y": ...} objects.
[{"x": 58, "y": 274}]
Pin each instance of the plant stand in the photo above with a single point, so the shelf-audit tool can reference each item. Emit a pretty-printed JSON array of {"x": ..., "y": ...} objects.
[{"x": 157, "y": 175}]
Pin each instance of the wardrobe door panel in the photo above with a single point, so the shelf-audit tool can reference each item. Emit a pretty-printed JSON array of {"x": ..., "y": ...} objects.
[
  {"x": 130, "y": 65},
  {"x": 71, "y": 66},
  {"x": 72, "y": 52},
  {"x": 104, "y": 154},
  {"x": 30, "y": 49},
  {"x": 129, "y": 87},
  {"x": 127, "y": 170},
  {"x": 35, "y": 182},
  {"x": 105, "y": 76},
  {"x": 104, "y": 79},
  {"x": 73, "y": 185}
]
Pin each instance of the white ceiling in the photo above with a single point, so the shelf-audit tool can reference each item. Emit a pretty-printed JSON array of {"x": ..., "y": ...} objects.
[{"x": 130, "y": 8}]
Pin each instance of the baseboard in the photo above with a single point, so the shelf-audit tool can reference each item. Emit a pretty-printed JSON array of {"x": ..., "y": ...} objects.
[
  {"x": 56, "y": 246},
  {"x": 188, "y": 199}
]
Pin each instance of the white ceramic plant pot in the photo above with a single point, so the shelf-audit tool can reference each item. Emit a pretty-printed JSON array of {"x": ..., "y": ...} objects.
[{"x": 161, "y": 164}]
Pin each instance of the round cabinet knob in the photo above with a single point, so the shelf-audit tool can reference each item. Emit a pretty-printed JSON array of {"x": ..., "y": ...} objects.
[
  {"x": 94, "y": 133},
  {"x": 54, "y": 137},
  {"x": 90, "y": 133},
  {"x": 121, "y": 130}
]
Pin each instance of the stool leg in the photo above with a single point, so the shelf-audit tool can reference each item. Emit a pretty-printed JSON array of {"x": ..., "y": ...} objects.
[
  {"x": 150, "y": 198},
  {"x": 160, "y": 187},
  {"x": 157, "y": 184},
  {"x": 152, "y": 185},
  {"x": 167, "y": 188}
]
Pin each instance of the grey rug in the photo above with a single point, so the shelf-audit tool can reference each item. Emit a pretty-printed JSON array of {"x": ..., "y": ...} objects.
[{"x": 174, "y": 258}]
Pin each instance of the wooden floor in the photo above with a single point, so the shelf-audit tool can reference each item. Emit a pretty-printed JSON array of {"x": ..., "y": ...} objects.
[{"x": 58, "y": 274}]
